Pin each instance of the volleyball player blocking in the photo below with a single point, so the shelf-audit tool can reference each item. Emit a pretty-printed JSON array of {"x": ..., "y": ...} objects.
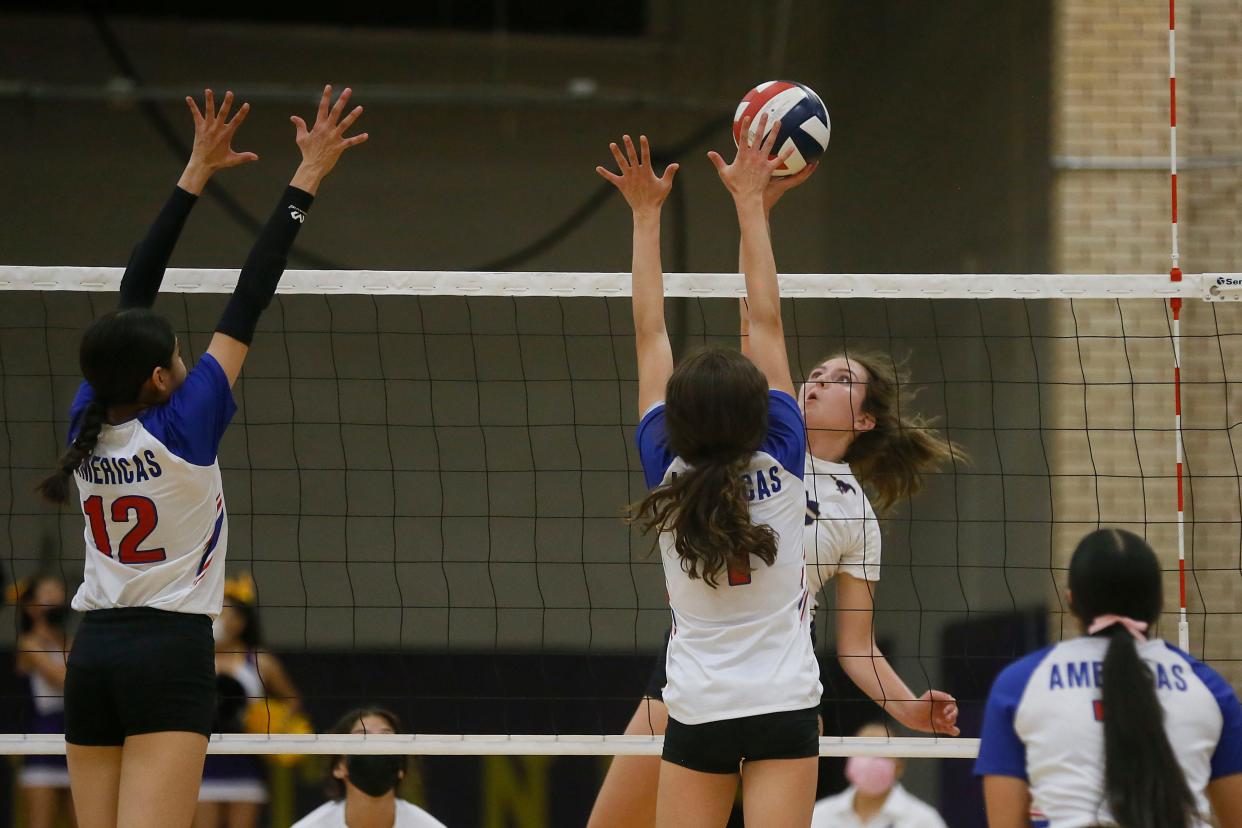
[{"x": 143, "y": 438}]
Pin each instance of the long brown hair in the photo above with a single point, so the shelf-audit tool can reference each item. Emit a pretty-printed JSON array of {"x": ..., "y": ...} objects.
[
  {"x": 716, "y": 416},
  {"x": 893, "y": 459}
]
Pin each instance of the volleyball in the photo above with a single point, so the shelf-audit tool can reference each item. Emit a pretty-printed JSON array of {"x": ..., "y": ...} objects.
[{"x": 804, "y": 121}]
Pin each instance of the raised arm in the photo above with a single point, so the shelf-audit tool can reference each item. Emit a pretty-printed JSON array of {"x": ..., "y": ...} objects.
[
  {"x": 772, "y": 193},
  {"x": 746, "y": 179},
  {"x": 213, "y": 150},
  {"x": 645, "y": 193},
  {"x": 321, "y": 147}
]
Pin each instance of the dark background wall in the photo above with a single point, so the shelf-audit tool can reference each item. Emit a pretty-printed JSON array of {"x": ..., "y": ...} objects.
[{"x": 938, "y": 163}]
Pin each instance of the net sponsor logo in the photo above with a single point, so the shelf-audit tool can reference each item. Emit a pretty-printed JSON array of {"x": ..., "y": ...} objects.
[{"x": 1228, "y": 281}]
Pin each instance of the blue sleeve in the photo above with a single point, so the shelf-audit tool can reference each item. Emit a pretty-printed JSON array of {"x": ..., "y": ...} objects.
[
  {"x": 1227, "y": 758},
  {"x": 786, "y": 440},
  {"x": 193, "y": 420},
  {"x": 653, "y": 450},
  {"x": 1001, "y": 750},
  {"x": 80, "y": 401}
]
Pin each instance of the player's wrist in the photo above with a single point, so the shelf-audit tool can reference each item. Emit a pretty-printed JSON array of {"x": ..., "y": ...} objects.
[{"x": 195, "y": 176}]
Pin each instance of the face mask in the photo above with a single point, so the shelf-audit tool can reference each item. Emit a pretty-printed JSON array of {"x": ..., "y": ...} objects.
[
  {"x": 374, "y": 775},
  {"x": 56, "y": 616},
  {"x": 871, "y": 775}
]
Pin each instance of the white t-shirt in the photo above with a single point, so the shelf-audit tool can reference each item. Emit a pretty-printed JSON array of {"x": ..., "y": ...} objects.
[
  {"x": 332, "y": 815},
  {"x": 842, "y": 533},
  {"x": 1043, "y": 724},
  {"x": 156, "y": 529},
  {"x": 744, "y": 647},
  {"x": 900, "y": 810}
]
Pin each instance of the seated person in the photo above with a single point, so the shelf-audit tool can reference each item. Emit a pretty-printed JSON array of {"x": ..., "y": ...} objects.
[
  {"x": 874, "y": 797},
  {"x": 363, "y": 789}
]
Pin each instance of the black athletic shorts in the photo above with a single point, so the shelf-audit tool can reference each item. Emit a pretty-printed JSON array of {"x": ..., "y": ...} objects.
[
  {"x": 721, "y": 747},
  {"x": 659, "y": 676},
  {"x": 139, "y": 670}
]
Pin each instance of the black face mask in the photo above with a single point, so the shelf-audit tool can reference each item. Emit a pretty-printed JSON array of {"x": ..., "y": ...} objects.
[
  {"x": 374, "y": 775},
  {"x": 56, "y": 616}
]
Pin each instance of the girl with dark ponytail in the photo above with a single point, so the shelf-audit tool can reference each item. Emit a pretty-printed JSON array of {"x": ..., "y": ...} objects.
[
  {"x": 143, "y": 439},
  {"x": 1114, "y": 727},
  {"x": 722, "y": 441}
]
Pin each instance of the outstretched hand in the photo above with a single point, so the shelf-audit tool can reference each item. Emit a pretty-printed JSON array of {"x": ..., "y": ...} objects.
[
  {"x": 752, "y": 167},
  {"x": 323, "y": 143},
  {"x": 213, "y": 140},
  {"x": 637, "y": 181}
]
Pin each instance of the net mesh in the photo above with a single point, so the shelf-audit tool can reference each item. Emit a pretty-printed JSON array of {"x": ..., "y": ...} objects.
[{"x": 427, "y": 489}]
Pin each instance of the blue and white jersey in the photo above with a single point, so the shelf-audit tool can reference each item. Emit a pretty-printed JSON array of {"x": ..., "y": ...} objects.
[
  {"x": 744, "y": 647},
  {"x": 1044, "y": 724},
  {"x": 156, "y": 529}
]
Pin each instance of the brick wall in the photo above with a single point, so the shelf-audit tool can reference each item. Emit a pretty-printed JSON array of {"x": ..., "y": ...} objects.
[{"x": 1111, "y": 215}]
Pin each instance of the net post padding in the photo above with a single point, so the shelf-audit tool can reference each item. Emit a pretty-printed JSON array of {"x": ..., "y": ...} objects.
[{"x": 36, "y": 744}]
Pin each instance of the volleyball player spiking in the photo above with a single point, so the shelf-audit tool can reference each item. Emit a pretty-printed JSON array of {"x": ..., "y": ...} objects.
[
  {"x": 1113, "y": 727},
  {"x": 722, "y": 443},
  {"x": 143, "y": 437},
  {"x": 862, "y": 435}
]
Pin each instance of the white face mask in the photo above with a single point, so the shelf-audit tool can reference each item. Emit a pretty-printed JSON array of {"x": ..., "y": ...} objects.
[{"x": 217, "y": 630}]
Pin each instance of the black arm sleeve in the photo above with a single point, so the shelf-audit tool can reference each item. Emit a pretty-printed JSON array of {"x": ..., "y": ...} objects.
[
  {"x": 264, "y": 266},
  {"x": 147, "y": 263}
]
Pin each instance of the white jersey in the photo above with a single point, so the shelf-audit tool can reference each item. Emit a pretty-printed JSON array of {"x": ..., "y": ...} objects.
[
  {"x": 332, "y": 815},
  {"x": 901, "y": 809},
  {"x": 156, "y": 529},
  {"x": 744, "y": 647},
  {"x": 842, "y": 533},
  {"x": 1044, "y": 724}
]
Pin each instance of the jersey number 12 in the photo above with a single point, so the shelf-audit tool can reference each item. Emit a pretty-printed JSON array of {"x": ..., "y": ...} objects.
[{"x": 147, "y": 517}]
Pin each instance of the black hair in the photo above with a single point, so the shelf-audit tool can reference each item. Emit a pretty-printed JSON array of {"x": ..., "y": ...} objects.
[
  {"x": 335, "y": 788},
  {"x": 119, "y": 351},
  {"x": 716, "y": 416},
  {"x": 252, "y": 634},
  {"x": 1114, "y": 572}
]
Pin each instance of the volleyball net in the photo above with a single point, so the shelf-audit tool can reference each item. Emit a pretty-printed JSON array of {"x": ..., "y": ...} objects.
[{"x": 430, "y": 467}]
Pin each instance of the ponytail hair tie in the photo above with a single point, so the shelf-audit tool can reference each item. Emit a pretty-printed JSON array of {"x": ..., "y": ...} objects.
[{"x": 1135, "y": 628}]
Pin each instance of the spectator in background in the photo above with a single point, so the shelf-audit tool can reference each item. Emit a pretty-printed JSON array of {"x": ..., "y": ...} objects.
[
  {"x": 42, "y": 645},
  {"x": 363, "y": 789},
  {"x": 875, "y": 798},
  {"x": 249, "y": 680}
]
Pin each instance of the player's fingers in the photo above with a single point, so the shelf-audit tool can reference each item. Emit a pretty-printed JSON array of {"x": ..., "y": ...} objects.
[
  {"x": 786, "y": 154},
  {"x": 622, "y": 164},
  {"x": 719, "y": 162},
  {"x": 630, "y": 152},
  {"x": 349, "y": 119},
  {"x": 340, "y": 104},
  {"x": 761, "y": 129},
  {"x": 769, "y": 139},
  {"x": 225, "y": 106},
  {"x": 323, "y": 103},
  {"x": 745, "y": 134},
  {"x": 194, "y": 113},
  {"x": 645, "y": 151},
  {"x": 360, "y": 138},
  {"x": 239, "y": 118},
  {"x": 669, "y": 172},
  {"x": 608, "y": 175},
  {"x": 299, "y": 123},
  {"x": 209, "y": 104}
]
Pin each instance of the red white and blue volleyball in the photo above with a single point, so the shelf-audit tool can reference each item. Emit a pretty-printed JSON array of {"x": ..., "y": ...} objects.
[{"x": 804, "y": 121}]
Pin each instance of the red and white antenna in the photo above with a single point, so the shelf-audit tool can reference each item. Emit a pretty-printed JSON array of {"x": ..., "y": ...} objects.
[{"x": 1175, "y": 304}]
